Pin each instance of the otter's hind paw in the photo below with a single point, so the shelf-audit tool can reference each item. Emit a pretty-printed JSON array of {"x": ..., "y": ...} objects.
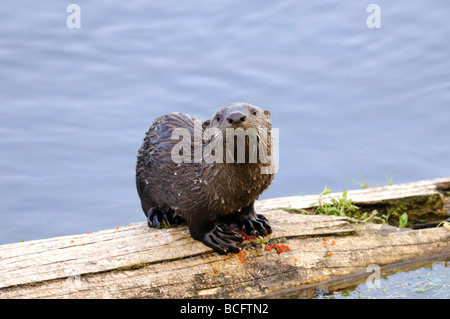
[
  {"x": 253, "y": 224},
  {"x": 249, "y": 221},
  {"x": 222, "y": 239}
]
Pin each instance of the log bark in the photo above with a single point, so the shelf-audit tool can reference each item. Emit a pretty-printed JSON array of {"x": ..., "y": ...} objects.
[{"x": 137, "y": 262}]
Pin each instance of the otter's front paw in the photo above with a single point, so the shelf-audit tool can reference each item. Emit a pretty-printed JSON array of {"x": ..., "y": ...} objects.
[
  {"x": 222, "y": 239},
  {"x": 157, "y": 218}
]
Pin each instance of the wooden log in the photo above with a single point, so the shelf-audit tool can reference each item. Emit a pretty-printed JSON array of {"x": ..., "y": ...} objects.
[
  {"x": 137, "y": 262},
  {"x": 426, "y": 202}
]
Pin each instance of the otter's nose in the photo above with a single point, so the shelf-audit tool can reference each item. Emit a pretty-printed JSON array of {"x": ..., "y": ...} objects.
[{"x": 236, "y": 118}]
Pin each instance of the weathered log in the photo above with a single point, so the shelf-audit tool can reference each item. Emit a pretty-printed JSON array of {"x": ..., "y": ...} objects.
[
  {"x": 426, "y": 202},
  {"x": 137, "y": 262}
]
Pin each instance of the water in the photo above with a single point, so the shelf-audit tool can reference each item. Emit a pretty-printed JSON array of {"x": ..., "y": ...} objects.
[
  {"x": 431, "y": 282},
  {"x": 75, "y": 103}
]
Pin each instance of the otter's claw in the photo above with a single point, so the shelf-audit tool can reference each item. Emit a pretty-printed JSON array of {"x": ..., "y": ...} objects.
[
  {"x": 251, "y": 223},
  {"x": 222, "y": 239},
  {"x": 157, "y": 218},
  {"x": 257, "y": 226}
]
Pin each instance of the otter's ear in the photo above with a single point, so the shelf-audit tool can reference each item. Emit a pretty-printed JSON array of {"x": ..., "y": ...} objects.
[
  {"x": 267, "y": 113},
  {"x": 206, "y": 124}
]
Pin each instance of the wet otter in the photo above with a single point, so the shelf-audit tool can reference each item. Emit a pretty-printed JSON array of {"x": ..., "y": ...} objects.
[{"x": 208, "y": 195}]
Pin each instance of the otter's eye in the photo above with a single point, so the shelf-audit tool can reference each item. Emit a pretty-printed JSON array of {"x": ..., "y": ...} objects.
[
  {"x": 218, "y": 118},
  {"x": 254, "y": 112}
]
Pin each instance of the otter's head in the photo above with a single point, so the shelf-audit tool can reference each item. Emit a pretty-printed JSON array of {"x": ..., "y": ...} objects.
[
  {"x": 244, "y": 122},
  {"x": 239, "y": 115}
]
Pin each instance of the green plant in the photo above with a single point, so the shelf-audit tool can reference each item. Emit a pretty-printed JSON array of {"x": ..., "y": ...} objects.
[
  {"x": 384, "y": 218},
  {"x": 262, "y": 241},
  {"x": 341, "y": 206},
  {"x": 389, "y": 179},
  {"x": 445, "y": 224},
  {"x": 403, "y": 220},
  {"x": 364, "y": 184},
  {"x": 163, "y": 225}
]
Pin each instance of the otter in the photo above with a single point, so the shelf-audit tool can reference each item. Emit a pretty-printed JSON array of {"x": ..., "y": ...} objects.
[{"x": 209, "y": 196}]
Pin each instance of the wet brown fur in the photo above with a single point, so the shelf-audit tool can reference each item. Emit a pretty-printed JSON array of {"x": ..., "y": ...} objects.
[{"x": 192, "y": 189}]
